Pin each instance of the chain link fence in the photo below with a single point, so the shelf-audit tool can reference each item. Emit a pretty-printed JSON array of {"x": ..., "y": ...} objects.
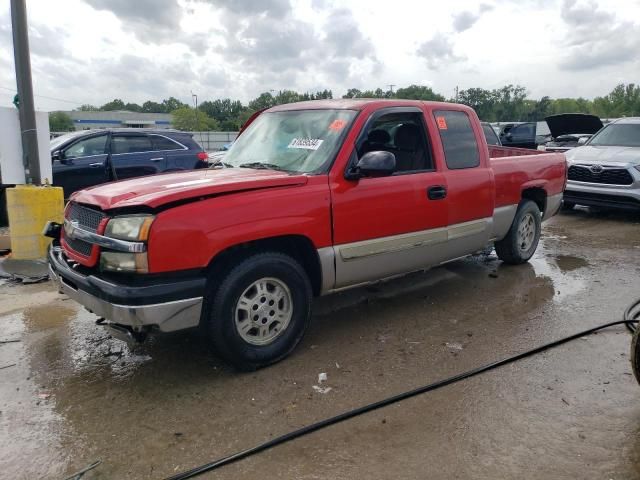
[{"x": 212, "y": 141}]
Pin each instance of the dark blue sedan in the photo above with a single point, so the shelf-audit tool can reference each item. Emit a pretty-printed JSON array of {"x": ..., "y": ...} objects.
[{"x": 90, "y": 157}]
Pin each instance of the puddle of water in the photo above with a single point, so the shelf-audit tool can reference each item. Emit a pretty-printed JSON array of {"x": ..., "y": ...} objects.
[
  {"x": 568, "y": 263},
  {"x": 31, "y": 430},
  {"x": 563, "y": 270}
]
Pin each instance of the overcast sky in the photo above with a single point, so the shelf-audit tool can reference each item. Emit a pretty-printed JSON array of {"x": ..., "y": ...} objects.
[{"x": 91, "y": 51}]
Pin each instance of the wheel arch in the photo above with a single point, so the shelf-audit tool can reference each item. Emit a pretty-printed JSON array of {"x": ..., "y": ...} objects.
[
  {"x": 538, "y": 195},
  {"x": 299, "y": 247}
]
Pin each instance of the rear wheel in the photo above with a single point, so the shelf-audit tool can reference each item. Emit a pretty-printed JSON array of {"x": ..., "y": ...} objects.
[
  {"x": 522, "y": 240},
  {"x": 260, "y": 311}
]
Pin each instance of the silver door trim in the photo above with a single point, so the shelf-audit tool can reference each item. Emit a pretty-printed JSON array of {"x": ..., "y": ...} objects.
[
  {"x": 395, "y": 243},
  {"x": 359, "y": 263}
]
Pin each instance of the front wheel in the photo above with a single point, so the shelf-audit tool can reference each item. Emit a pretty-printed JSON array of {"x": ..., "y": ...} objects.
[
  {"x": 260, "y": 311},
  {"x": 522, "y": 240}
]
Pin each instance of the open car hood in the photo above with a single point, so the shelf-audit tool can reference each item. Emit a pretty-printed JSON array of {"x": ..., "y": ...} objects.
[
  {"x": 572, "y": 123},
  {"x": 158, "y": 190}
]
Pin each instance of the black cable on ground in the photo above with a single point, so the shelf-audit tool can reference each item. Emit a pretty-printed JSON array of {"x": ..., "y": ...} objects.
[
  {"x": 631, "y": 314},
  {"x": 630, "y": 318}
]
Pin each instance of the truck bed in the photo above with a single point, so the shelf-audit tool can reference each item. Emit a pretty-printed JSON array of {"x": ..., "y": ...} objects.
[{"x": 516, "y": 169}]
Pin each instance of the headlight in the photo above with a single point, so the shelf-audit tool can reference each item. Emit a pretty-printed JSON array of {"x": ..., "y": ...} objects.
[
  {"x": 134, "y": 228},
  {"x": 124, "y": 262}
]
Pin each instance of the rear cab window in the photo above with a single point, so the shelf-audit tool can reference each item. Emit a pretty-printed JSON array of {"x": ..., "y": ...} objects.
[{"x": 458, "y": 139}]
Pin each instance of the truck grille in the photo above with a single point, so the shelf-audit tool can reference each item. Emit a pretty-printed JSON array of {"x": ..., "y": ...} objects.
[
  {"x": 88, "y": 219},
  {"x": 609, "y": 176},
  {"x": 80, "y": 246}
]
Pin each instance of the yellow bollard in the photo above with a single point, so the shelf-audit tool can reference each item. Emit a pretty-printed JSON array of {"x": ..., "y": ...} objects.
[{"x": 29, "y": 208}]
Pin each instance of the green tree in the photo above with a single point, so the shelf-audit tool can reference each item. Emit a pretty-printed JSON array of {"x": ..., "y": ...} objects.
[
  {"x": 87, "y": 108},
  {"x": 264, "y": 100},
  {"x": 353, "y": 93},
  {"x": 115, "y": 104},
  {"x": 171, "y": 104},
  {"x": 133, "y": 107},
  {"x": 481, "y": 100},
  {"x": 60, "y": 122},
  {"x": 223, "y": 110},
  {"x": 191, "y": 120},
  {"x": 287, "y": 96},
  {"x": 418, "y": 92},
  {"x": 153, "y": 107}
]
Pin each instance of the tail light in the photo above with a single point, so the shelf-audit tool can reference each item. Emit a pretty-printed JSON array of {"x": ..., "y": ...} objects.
[{"x": 202, "y": 156}]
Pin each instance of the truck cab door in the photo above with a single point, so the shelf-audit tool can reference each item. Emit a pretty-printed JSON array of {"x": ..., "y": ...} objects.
[
  {"x": 81, "y": 164},
  {"x": 133, "y": 155},
  {"x": 470, "y": 181},
  {"x": 390, "y": 224}
]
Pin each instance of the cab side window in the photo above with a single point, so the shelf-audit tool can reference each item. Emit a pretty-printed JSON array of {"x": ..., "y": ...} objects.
[
  {"x": 404, "y": 135},
  {"x": 87, "y": 147},
  {"x": 458, "y": 139}
]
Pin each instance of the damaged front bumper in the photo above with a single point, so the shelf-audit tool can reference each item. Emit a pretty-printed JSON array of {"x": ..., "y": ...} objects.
[{"x": 167, "y": 304}]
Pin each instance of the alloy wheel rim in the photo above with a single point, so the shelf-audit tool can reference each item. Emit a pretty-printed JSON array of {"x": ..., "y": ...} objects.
[
  {"x": 263, "y": 311},
  {"x": 526, "y": 232}
]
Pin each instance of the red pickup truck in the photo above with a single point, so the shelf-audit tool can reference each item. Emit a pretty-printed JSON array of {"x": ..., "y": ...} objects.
[{"x": 312, "y": 198}]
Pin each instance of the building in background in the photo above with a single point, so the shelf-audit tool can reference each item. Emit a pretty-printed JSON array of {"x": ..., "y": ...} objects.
[{"x": 119, "y": 119}]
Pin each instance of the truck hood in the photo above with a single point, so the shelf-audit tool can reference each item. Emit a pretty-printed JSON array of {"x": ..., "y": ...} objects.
[
  {"x": 158, "y": 190},
  {"x": 614, "y": 156},
  {"x": 571, "y": 123}
]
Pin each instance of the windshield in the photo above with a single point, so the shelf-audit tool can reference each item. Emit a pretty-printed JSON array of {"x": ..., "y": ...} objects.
[
  {"x": 56, "y": 142},
  {"x": 298, "y": 141},
  {"x": 618, "y": 135}
]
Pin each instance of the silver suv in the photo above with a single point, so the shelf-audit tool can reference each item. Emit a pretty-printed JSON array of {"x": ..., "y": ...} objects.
[{"x": 605, "y": 171}]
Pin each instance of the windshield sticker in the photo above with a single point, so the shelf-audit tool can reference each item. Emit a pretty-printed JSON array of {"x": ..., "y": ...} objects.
[
  {"x": 442, "y": 123},
  {"x": 337, "y": 125},
  {"x": 306, "y": 143}
]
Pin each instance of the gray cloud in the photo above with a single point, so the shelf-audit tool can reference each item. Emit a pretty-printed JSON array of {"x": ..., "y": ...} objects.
[
  {"x": 344, "y": 37},
  {"x": 149, "y": 20},
  {"x": 47, "y": 41},
  {"x": 465, "y": 20},
  {"x": 152, "y": 21},
  {"x": 44, "y": 41},
  {"x": 438, "y": 51},
  {"x": 596, "y": 38},
  {"x": 273, "y": 8},
  {"x": 271, "y": 42}
]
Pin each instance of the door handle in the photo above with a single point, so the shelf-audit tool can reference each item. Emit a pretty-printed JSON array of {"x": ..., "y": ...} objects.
[
  {"x": 156, "y": 159},
  {"x": 436, "y": 192},
  {"x": 96, "y": 165}
]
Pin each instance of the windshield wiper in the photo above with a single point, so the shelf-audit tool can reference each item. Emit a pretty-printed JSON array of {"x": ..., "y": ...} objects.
[
  {"x": 263, "y": 166},
  {"x": 220, "y": 162}
]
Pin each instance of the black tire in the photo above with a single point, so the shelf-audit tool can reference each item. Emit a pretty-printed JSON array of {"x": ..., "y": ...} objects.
[
  {"x": 635, "y": 354},
  {"x": 221, "y": 302},
  {"x": 568, "y": 205},
  {"x": 509, "y": 249}
]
